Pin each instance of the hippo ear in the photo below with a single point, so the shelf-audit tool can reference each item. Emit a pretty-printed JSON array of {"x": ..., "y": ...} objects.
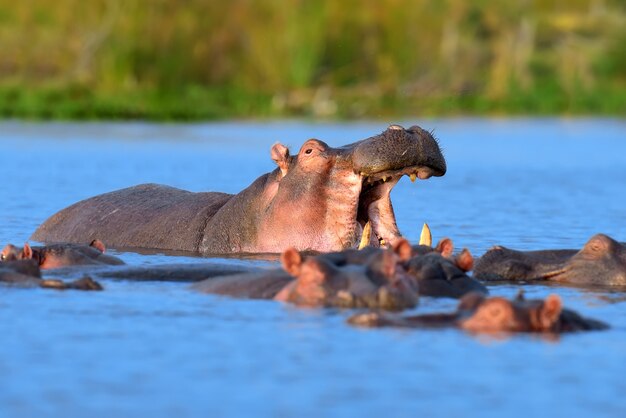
[
  {"x": 464, "y": 260},
  {"x": 445, "y": 247},
  {"x": 98, "y": 245},
  {"x": 280, "y": 155},
  {"x": 402, "y": 248},
  {"x": 550, "y": 311},
  {"x": 27, "y": 252},
  {"x": 598, "y": 244},
  {"x": 291, "y": 261}
]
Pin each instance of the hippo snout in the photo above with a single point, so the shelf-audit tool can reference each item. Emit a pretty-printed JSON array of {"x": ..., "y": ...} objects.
[{"x": 400, "y": 149}]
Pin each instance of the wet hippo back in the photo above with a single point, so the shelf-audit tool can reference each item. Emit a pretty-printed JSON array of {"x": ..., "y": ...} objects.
[{"x": 136, "y": 216}]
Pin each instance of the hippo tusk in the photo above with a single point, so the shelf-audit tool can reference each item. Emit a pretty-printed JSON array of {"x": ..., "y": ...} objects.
[
  {"x": 365, "y": 237},
  {"x": 426, "y": 238}
]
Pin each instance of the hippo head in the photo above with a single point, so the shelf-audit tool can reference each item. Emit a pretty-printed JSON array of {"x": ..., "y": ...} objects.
[
  {"x": 321, "y": 198},
  {"x": 601, "y": 261},
  {"x": 441, "y": 276},
  {"x": 497, "y": 314},
  {"x": 11, "y": 253},
  {"x": 318, "y": 282}
]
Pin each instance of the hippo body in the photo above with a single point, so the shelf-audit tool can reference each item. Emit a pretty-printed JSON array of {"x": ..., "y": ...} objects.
[
  {"x": 319, "y": 200},
  {"x": 601, "y": 261},
  {"x": 23, "y": 272},
  {"x": 175, "y": 272},
  {"x": 261, "y": 284},
  {"x": 26, "y": 273},
  {"x": 478, "y": 314}
]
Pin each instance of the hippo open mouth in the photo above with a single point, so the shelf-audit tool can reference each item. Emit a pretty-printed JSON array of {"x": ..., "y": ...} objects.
[
  {"x": 411, "y": 152},
  {"x": 375, "y": 203}
]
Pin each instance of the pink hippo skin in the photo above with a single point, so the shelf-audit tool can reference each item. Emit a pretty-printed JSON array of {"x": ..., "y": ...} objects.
[
  {"x": 601, "y": 262},
  {"x": 318, "y": 199},
  {"x": 61, "y": 255},
  {"x": 479, "y": 314}
]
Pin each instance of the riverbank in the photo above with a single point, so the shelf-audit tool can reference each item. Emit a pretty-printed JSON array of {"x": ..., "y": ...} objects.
[{"x": 197, "y": 103}]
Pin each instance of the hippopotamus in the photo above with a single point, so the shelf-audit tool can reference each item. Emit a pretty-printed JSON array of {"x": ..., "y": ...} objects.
[
  {"x": 26, "y": 273},
  {"x": 430, "y": 273},
  {"x": 317, "y": 200},
  {"x": 19, "y": 271},
  {"x": 61, "y": 255},
  {"x": 317, "y": 282},
  {"x": 434, "y": 270},
  {"x": 601, "y": 261},
  {"x": 440, "y": 276},
  {"x": 479, "y": 314},
  {"x": 410, "y": 276}
]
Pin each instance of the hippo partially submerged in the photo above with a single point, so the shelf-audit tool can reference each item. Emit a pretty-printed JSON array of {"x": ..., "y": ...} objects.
[
  {"x": 61, "y": 255},
  {"x": 373, "y": 277},
  {"x": 26, "y": 273},
  {"x": 317, "y": 282},
  {"x": 319, "y": 199},
  {"x": 479, "y": 314},
  {"x": 601, "y": 261}
]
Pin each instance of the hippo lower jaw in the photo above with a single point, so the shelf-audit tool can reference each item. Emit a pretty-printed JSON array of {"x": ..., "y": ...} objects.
[{"x": 374, "y": 203}]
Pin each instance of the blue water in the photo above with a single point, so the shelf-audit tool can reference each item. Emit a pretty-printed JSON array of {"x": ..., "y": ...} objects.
[{"x": 158, "y": 349}]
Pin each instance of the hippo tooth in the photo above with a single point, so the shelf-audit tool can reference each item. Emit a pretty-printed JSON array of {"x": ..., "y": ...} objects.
[
  {"x": 426, "y": 238},
  {"x": 413, "y": 176},
  {"x": 365, "y": 237},
  {"x": 396, "y": 127},
  {"x": 384, "y": 179}
]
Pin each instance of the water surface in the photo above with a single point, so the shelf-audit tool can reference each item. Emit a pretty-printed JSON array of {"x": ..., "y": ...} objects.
[{"x": 160, "y": 349}]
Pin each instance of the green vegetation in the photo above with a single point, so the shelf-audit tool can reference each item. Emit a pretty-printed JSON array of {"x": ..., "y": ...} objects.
[{"x": 200, "y": 59}]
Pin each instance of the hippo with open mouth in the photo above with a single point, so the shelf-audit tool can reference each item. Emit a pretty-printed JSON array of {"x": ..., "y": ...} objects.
[{"x": 319, "y": 200}]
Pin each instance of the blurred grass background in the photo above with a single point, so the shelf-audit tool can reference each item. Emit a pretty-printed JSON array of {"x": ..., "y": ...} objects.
[{"x": 204, "y": 59}]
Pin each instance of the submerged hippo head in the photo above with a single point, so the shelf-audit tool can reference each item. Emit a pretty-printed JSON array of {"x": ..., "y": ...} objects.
[
  {"x": 322, "y": 197},
  {"x": 376, "y": 284},
  {"x": 11, "y": 253},
  {"x": 441, "y": 276},
  {"x": 479, "y": 314},
  {"x": 497, "y": 314},
  {"x": 15, "y": 270},
  {"x": 602, "y": 261},
  {"x": 60, "y": 255}
]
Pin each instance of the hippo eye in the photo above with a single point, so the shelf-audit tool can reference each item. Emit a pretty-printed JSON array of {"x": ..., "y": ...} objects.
[{"x": 308, "y": 151}]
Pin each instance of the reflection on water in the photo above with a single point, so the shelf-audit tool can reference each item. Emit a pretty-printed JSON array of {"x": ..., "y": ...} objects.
[{"x": 160, "y": 349}]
